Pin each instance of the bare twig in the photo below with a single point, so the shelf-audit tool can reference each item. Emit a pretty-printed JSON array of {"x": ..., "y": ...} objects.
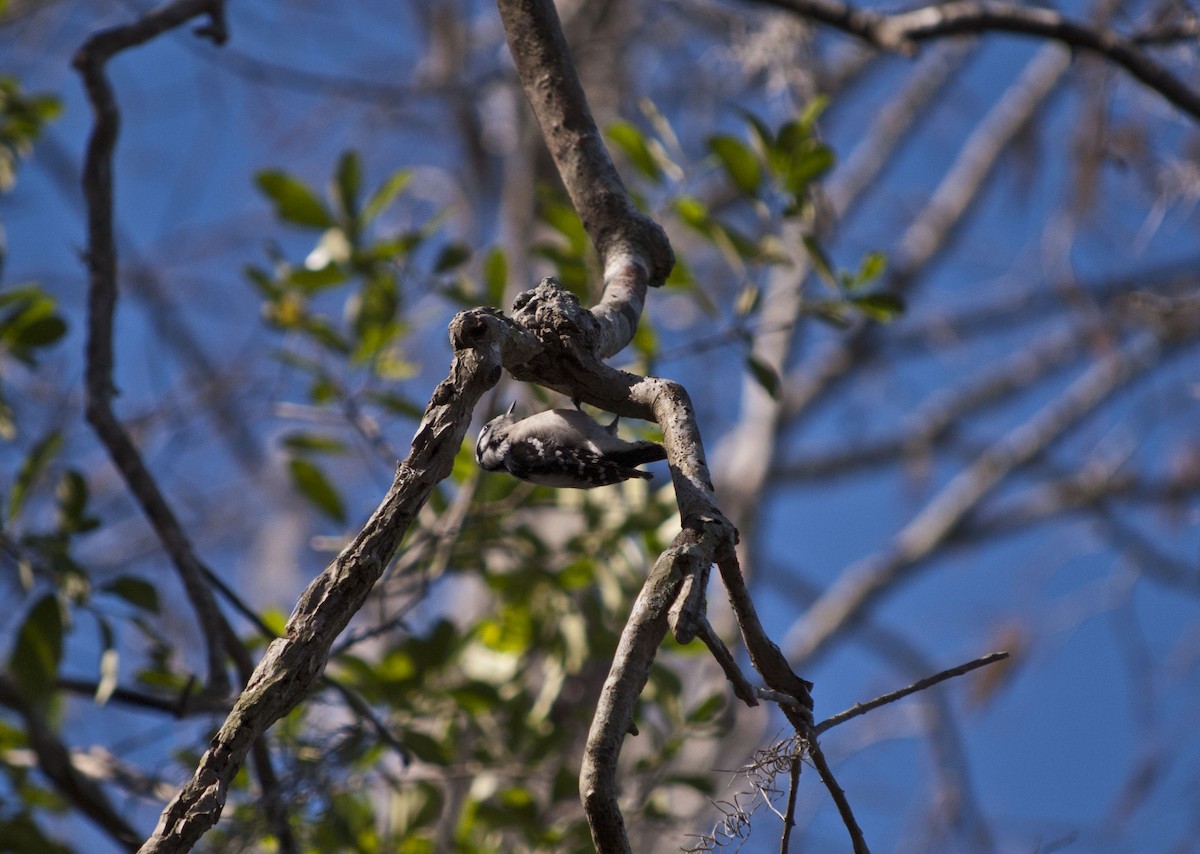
[
  {"x": 920, "y": 685},
  {"x": 742, "y": 689},
  {"x": 789, "y": 816},
  {"x": 839, "y": 798}
]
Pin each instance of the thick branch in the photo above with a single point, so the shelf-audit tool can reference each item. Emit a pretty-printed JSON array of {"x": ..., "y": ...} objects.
[
  {"x": 901, "y": 31},
  {"x": 633, "y": 249},
  {"x": 644, "y": 631},
  {"x": 292, "y": 665}
]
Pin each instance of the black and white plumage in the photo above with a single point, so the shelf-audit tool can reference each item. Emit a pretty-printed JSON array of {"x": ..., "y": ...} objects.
[{"x": 563, "y": 448}]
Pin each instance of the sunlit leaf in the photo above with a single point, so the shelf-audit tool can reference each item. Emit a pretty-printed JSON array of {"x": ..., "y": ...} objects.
[
  {"x": 693, "y": 212},
  {"x": 882, "y": 307},
  {"x": 110, "y": 665},
  {"x": 495, "y": 275},
  {"x": 747, "y": 300},
  {"x": 872, "y": 267},
  {"x": 295, "y": 201},
  {"x": 387, "y": 192}
]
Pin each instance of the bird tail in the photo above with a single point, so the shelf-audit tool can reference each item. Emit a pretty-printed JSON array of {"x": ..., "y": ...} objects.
[{"x": 638, "y": 454}]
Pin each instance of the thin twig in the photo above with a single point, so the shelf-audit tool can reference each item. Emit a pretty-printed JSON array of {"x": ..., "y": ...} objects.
[
  {"x": 839, "y": 798},
  {"x": 91, "y": 60},
  {"x": 54, "y": 761},
  {"x": 920, "y": 685},
  {"x": 742, "y": 689},
  {"x": 789, "y": 816}
]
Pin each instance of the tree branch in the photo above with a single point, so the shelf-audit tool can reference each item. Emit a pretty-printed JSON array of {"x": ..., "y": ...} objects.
[
  {"x": 54, "y": 760},
  {"x": 902, "y": 31},
  {"x": 90, "y": 61},
  {"x": 292, "y": 665},
  {"x": 920, "y": 685},
  {"x": 861, "y": 584},
  {"x": 633, "y": 249}
]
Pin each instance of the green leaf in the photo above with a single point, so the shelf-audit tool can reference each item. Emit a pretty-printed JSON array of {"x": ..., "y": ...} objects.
[
  {"x": 303, "y": 442},
  {"x": 295, "y": 201},
  {"x": 693, "y": 212},
  {"x": 812, "y": 111},
  {"x": 495, "y": 275},
  {"x": 832, "y": 312},
  {"x": 820, "y": 260},
  {"x": 41, "y": 332},
  {"x": 632, "y": 142},
  {"x": 348, "y": 183},
  {"x": 807, "y": 167},
  {"x": 387, "y": 192},
  {"x": 313, "y": 485},
  {"x": 766, "y": 139},
  {"x": 8, "y": 425},
  {"x": 882, "y": 307},
  {"x": 766, "y": 375},
  {"x": 739, "y": 162},
  {"x": 397, "y": 403},
  {"x": 452, "y": 255},
  {"x": 425, "y": 748},
  {"x": 138, "y": 592},
  {"x": 707, "y": 709},
  {"x": 36, "y": 655},
  {"x": 869, "y": 269},
  {"x": 72, "y": 494},
  {"x": 31, "y": 468},
  {"x": 311, "y": 281},
  {"x": 31, "y": 322}
]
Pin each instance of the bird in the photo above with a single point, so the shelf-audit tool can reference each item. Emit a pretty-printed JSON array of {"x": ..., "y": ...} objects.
[{"x": 563, "y": 448}]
